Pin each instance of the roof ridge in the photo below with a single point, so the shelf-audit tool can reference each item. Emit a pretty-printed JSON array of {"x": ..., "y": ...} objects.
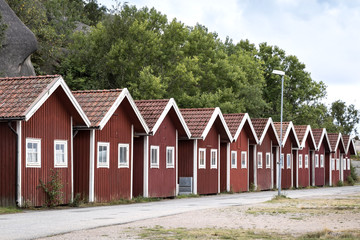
[
  {"x": 153, "y": 100},
  {"x": 98, "y": 90},
  {"x": 30, "y": 77}
]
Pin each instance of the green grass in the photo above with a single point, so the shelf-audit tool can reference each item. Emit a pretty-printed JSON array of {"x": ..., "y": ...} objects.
[
  {"x": 188, "y": 196},
  {"x": 7, "y": 210},
  {"x": 159, "y": 232}
]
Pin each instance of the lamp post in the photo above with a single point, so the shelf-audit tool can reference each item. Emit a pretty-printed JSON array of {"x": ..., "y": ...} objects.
[{"x": 282, "y": 74}]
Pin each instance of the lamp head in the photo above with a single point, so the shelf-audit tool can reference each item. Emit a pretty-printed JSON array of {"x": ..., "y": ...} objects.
[{"x": 278, "y": 72}]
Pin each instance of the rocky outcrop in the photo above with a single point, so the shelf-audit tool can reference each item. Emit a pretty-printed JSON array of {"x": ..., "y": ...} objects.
[{"x": 17, "y": 47}]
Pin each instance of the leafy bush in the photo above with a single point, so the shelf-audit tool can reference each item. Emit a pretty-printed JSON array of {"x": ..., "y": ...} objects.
[
  {"x": 52, "y": 189},
  {"x": 350, "y": 180},
  {"x": 340, "y": 183},
  {"x": 353, "y": 173}
]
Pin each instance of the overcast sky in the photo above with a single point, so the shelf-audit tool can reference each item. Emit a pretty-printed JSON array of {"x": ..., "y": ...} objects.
[{"x": 323, "y": 34}]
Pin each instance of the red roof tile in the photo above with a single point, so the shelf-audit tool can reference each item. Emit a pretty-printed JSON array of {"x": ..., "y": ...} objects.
[
  {"x": 317, "y": 133},
  {"x": 19, "y": 94},
  {"x": 233, "y": 121},
  {"x": 300, "y": 132},
  {"x": 346, "y": 139},
  {"x": 197, "y": 119},
  {"x": 96, "y": 103},
  {"x": 259, "y": 125},
  {"x": 333, "y": 138},
  {"x": 151, "y": 110}
]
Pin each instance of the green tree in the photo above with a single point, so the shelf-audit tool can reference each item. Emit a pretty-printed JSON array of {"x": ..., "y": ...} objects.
[{"x": 345, "y": 118}]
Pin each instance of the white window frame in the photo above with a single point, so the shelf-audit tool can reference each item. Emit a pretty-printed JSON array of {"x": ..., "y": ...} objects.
[
  {"x": 344, "y": 163},
  {"x": 348, "y": 163},
  {"x": 107, "y": 164},
  {"x": 38, "y": 163},
  {"x": 300, "y": 160},
  {"x": 282, "y": 161},
  {"x": 337, "y": 164},
  {"x": 234, "y": 157},
  {"x": 65, "y": 164},
  {"x": 259, "y": 160},
  {"x": 316, "y": 160},
  {"x": 202, "y": 166},
  {"x": 332, "y": 163},
  {"x": 157, "y": 163},
  {"x": 322, "y": 160},
  {"x": 244, "y": 155},
  {"x": 126, "y": 164},
  {"x": 306, "y": 161},
  {"x": 172, "y": 164},
  {"x": 267, "y": 156},
  {"x": 288, "y": 161},
  {"x": 213, "y": 166}
]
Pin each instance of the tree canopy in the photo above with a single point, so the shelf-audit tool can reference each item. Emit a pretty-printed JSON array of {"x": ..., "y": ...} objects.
[{"x": 142, "y": 50}]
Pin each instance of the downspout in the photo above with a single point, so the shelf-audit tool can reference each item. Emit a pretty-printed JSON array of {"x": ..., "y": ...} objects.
[{"x": 16, "y": 160}]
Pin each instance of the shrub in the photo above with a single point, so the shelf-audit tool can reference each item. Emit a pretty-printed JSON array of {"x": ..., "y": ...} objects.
[
  {"x": 340, "y": 183},
  {"x": 350, "y": 180},
  {"x": 353, "y": 173},
  {"x": 251, "y": 187},
  {"x": 52, "y": 189}
]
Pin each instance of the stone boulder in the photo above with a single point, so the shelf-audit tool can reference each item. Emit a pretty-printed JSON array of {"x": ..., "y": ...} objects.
[{"x": 17, "y": 47}]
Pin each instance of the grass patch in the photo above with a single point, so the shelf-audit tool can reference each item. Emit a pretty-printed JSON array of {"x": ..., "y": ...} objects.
[
  {"x": 191, "y": 195},
  {"x": 159, "y": 232},
  {"x": 139, "y": 199},
  {"x": 7, "y": 210}
]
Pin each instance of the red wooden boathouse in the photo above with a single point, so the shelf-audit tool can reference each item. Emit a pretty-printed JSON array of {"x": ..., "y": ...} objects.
[
  {"x": 156, "y": 155},
  {"x": 290, "y": 144},
  {"x": 322, "y": 157},
  {"x": 103, "y": 153},
  {"x": 350, "y": 150},
  {"x": 336, "y": 159},
  {"x": 37, "y": 116},
  {"x": 304, "y": 165},
  {"x": 265, "y": 155},
  {"x": 234, "y": 172},
  {"x": 200, "y": 157}
]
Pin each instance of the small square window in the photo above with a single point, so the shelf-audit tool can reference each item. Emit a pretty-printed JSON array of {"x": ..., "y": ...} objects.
[
  {"x": 288, "y": 161},
  {"x": 170, "y": 153},
  {"x": 33, "y": 152},
  {"x": 154, "y": 156},
  {"x": 317, "y": 160},
  {"x": 123, "y": 151},
  {"x": 344, "y": 162},
  {"x": 348, "y": 164},
  {"x": 213, "y": 158},
  {"x": 103, "y": 155},
  {"x": 60, "y": 153},
  {"x": 202, "y": 158},
  {"x": 282, "y": 161},
  {"x": 332, "y": 164},
  {"x": 337, "y": 164},
  {"x": 306, "y": 161},
  {"x": 243, "y": 160},
  {"x": 322, "y": 160},
  {"x": 233, "y": 159},
  {"x": 259, "y": 159},
  {"x": 300, "y": 161},
  {"x": 268, "y": 161}
]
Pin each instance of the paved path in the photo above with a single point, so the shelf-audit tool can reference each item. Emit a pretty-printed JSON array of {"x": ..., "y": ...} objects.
[{"x": 34, "y": 224}]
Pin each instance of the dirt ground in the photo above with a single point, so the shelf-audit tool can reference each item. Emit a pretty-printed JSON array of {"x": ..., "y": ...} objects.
[{"x": 294, "y": 217}]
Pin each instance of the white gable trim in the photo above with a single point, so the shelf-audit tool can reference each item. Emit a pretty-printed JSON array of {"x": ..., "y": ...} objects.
[
  {"x": 338, "y": 141},
  {"x": 246, "y": 118},
  {"x": 124, "y": 93},
  {"x": 216, "y": 113},
  {"x": 348, "y": 146},
  {"x": 324, "y": 134},
  {"x": 169, "y": 105},
  {"x": 50, "y": 89},
  {"x": 268, "y": 124},
  {"x": 290, "y": 126},
  {"x": 307, "y": 132}
]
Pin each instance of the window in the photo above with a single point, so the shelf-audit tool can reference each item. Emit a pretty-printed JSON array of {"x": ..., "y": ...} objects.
[
  {"x": 154, "y": 156},
  {"x": 33, "y": 152},
  {"x": 300, "y": 160},
  {"x": 234, "y": 159},
  {"x": 267, "y": 160},
  {"x": 316, "y": 160},
  {"x": 288, "y": 161},
  {"x": 348, "y": 163},
  {"x": 123, "y": 155},
  {"x": 337, "y": 164},
  {"x": 282, "y": 161},
  {"x": 170, "y": 153},
  {"x": 344, "y": 161},
  {"x": 306, "y": 161},
  {"x": 60, "y": 153},
  {"x": 322, "y": 160},
  {"x": 243, "y": 160},
  {"x": 103, "y": 155},
  {"x": 259, "y": 160},
  {"x": 202, "y": 158},
  {"x": 332, "y": 164},
  {"x": 213, "y": 158}
]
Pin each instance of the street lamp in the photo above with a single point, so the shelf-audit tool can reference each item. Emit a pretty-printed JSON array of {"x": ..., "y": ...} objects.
[{"x": 282, "y": 74}]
